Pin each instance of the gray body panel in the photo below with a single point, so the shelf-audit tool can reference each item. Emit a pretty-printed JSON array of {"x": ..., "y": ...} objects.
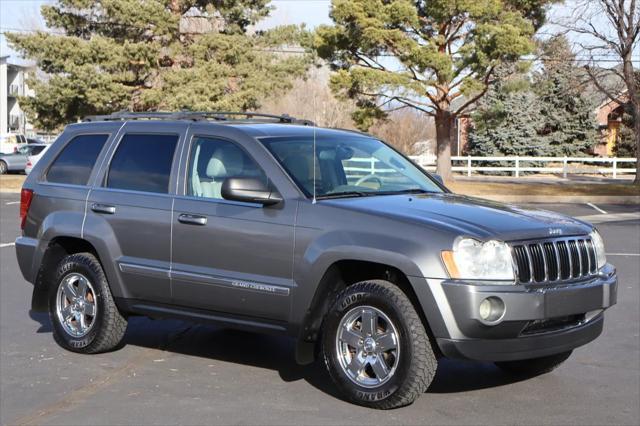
[{"x": 259, "y": 267}]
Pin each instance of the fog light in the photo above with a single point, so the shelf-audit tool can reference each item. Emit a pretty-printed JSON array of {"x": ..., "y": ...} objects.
[{"x": 491, "y": 309}]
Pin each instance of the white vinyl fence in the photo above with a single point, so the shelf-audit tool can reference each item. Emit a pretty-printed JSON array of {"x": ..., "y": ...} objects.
[{"x": 610, "y": 167}]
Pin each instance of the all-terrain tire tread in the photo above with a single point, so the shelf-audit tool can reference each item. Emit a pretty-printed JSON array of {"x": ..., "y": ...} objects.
[
  {"x": 424, "y": 363},
  {"x": 114, "y": 325}
]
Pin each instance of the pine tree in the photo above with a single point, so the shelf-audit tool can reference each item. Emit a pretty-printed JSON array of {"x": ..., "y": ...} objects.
[
  {"x": 569, "y": 121},
  {"x": 424, "y": 55},
  {"x": 154, "y": 55},
  {"x": 539, "y": 113},
  {"x": 626, "y": 141},
  {"x": 507, "y": 121}
]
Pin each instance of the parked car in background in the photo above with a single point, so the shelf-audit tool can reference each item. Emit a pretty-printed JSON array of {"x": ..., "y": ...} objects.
[
  {"x": 17, "y": 162},
  {"x": 10, "y": 142},
  {"x": 34, "y": 158}
]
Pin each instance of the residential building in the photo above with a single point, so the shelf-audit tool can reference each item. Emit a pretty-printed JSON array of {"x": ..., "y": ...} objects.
[
  {"x": 609, "y": 116},
  {"x": 13, "y": 84}
]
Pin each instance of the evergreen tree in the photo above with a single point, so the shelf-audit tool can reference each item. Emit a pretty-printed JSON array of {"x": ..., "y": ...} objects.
[
  {"x": 424, "y": 55},
  {"x": 543, "y": 113},
  {"x": 507, "y": 121},
  {"x": 626, "y": 141},
  {"x": 569, "y": 120},
  {"x": 154, "y": 55}
]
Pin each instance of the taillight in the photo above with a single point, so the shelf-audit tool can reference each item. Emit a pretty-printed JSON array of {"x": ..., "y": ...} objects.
[
  {"x": 26, "y": 195},
  {"x": 29, "y": 163}
]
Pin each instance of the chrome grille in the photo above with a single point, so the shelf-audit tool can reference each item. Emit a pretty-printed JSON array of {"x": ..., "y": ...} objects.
[{"x": 557, "y": 260}]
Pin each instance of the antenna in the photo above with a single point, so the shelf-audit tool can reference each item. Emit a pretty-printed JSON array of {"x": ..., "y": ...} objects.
[
  {"x": 315, "y": 112},
  {"x": 314, "y": 152}
]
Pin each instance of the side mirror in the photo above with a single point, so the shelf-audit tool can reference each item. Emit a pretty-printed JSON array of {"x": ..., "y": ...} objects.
[{"x": 249, "y": 190}]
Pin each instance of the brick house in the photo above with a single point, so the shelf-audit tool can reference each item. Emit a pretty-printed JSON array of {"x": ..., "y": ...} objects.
[{"x": 609, "y": 117}]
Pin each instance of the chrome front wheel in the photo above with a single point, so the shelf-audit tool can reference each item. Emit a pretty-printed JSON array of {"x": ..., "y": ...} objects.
[
  {"x": 76, "y": 305},
  {"x": 367, "y": 346}
]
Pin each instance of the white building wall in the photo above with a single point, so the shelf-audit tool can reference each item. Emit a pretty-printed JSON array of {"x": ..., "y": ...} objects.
[
  {"x": 13, "y": 83},
  {"x": 4, "y": 86}
]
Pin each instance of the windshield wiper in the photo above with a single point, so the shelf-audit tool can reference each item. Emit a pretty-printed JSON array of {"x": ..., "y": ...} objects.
[
  {"x": 409, "y": 191},
  {"x": 346, "y": 194}
]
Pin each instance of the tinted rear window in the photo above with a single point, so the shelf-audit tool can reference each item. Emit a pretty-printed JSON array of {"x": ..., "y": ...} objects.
[
  {"x": 75, "y": 162},
  {"x": 143, "y": 163}
]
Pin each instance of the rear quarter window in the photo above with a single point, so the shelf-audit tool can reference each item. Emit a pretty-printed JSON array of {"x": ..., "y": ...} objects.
[{"x": 74, "y": 164}]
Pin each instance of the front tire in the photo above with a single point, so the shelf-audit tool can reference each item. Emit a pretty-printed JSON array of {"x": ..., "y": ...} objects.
[
  {"x": 84, "y": 316},
  {"x": 375, "y": 346},
  {"x": 535, "y": 366},
  {"x": 3, "y": 168}
]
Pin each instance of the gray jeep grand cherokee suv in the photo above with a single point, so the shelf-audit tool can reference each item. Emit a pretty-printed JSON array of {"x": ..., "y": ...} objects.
[{"x": 270, "y": 224}]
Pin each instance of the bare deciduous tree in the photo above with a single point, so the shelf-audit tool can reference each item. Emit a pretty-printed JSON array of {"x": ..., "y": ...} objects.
[
  {"x": 312, "y": 99},
  {"x": 605, "y": 28},
  {"x": 404, "y": 129}
]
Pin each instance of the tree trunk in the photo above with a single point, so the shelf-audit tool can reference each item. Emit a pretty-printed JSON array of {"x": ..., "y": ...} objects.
[
  {"x": 632, "y": 89},
  {"x": 636, "y": 128},
  {"x": 444, "y": 127}
]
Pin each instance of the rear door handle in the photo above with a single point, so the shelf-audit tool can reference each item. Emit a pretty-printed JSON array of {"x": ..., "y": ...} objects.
[
  {"x": 103, "y": 208},
  {"x": 191, "y": 219}
]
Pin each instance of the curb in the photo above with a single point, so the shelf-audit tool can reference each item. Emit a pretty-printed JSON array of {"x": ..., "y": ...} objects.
[{"x": 9, "y": 191}]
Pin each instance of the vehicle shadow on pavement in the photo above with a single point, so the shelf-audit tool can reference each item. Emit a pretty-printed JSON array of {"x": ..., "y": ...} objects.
[
  {"x": 455, "y": 376},
  {"x": 277, "y": 353},
  {"x": 43, "y": 319},
  {"x": 241, "y": 347}
]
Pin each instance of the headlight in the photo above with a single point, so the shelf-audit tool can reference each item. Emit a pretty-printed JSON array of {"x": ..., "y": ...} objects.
[
  {"x": 475, "y": 260},
  {"x": 598, "y": 244}
]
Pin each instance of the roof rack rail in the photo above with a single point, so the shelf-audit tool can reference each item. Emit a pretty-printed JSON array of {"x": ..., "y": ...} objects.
[{"x": 251, "y": 117}]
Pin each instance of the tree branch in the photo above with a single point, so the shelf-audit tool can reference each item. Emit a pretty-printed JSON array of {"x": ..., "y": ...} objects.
[
  {"x": 596, "y": 81},
  {"x": 487, "y": 82}
]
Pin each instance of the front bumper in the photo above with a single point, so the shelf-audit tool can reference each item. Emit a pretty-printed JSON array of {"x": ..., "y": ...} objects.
[{"x": 537, "y": 321}]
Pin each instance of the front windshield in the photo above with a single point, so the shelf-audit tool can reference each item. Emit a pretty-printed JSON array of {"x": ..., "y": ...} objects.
[{"x": 347, "y": 166}]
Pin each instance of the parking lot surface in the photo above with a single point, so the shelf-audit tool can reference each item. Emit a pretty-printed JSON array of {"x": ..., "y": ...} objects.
[{"x": 171, "y": 372}]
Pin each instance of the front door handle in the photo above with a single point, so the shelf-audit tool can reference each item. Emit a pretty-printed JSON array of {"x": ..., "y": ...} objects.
[
  {"x": 103, "y": 208},
  {"x": 191, "y": 219}
]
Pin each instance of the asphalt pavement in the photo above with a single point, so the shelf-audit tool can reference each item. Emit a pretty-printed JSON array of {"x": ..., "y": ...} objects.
[{"x": 172, "y": 372}]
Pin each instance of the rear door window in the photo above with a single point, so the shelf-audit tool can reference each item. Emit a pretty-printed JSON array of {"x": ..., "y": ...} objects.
[
  {"x": 142, "y": 162},
  {"x": 74, "y": 164}
]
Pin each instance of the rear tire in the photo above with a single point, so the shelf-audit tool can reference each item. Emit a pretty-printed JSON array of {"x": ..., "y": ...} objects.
[
  {"x": 84, "y": 316},
  {"x": 3, "y": 168},
  {"x": 534, "y": 366},
  {"x": 370, "y": 366}
]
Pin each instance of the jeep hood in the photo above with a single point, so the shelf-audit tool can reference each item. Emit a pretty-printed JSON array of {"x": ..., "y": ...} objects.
[{"x": 468, "y": 216}]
